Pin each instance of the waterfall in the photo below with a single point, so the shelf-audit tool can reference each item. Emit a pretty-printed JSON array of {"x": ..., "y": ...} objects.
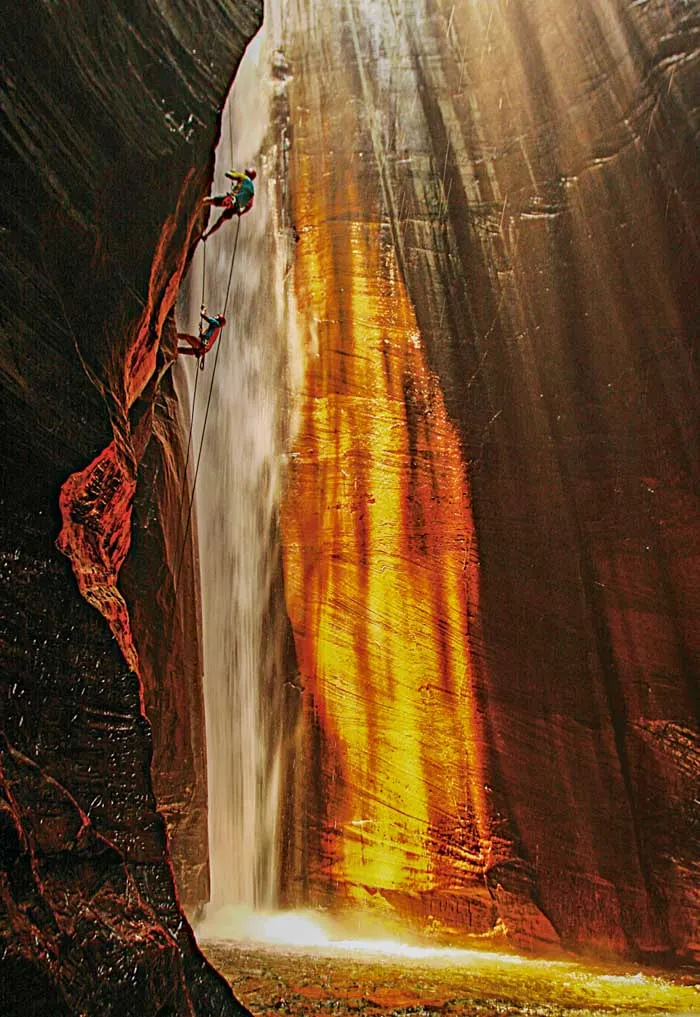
[{"x": 237, "y": 498}]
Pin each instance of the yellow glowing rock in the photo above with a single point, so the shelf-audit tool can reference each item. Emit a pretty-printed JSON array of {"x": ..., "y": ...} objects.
[{"x": 379, "y": 551}]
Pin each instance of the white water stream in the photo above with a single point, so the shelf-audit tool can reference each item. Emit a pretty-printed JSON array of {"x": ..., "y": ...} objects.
[{"x": 237, "y": 501}]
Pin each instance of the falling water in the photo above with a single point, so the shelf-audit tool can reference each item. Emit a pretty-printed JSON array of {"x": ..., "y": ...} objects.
[{"x": 237, "y": 495}]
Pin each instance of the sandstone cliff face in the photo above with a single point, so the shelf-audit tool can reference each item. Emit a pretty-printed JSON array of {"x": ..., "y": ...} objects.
[
  {"x": 108, "y": 122},
  {"x": 491, "y": 537}
]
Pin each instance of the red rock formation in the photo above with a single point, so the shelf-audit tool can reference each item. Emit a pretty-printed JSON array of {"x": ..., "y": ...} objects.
[
  {"x": 96, "y": 503},
  {"x": 96, "y": 509}
]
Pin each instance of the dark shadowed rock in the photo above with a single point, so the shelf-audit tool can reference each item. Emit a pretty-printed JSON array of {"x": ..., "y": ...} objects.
[{"x": 108, "y": 122}]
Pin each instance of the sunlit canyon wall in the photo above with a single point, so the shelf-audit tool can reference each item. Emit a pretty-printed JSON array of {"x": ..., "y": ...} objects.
[
  {"x": 491, "y": 525},
  {"x": 108, "y": 122}
]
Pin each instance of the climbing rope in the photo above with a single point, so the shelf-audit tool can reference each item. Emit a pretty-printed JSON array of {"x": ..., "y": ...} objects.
[
  {"x": 230, "y": 133},
  {"x": 206, "y": 413},
  {"x": 230, "y": 275},
  {"x": 196, "y": 381}
]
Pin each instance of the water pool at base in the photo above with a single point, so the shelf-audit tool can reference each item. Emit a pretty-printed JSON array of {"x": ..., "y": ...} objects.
[{"x": 334, "y": 981}]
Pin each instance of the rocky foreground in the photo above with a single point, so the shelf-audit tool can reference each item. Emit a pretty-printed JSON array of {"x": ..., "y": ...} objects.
[{"x": 332, "y": 983}]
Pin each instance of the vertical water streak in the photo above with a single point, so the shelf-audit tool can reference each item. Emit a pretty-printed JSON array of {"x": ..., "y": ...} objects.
[{"x": 237, "y": 495}]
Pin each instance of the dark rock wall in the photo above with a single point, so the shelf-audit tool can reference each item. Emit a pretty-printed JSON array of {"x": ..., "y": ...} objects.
[
  {"x": 568, "y": 356},
  {"x": 170, "y": 652},
  {"x": 108, "y": 118}
]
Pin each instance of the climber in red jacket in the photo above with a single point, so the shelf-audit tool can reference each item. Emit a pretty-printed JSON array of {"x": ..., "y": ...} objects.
[{"x": 199, "y": 345}]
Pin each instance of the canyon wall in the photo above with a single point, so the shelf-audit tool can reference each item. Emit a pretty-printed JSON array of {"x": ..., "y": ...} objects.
[
  {"x": 108, "y": 122},
  {"x": 491, "y": 531}
]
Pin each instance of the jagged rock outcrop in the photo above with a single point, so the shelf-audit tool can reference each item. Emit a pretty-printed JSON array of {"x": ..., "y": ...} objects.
[
  {"x": 108, "y": 120},
  {"x": 170, "y": 653},
  {"x": 491, "y": 538},
  {"x": 77, "y": 918}
]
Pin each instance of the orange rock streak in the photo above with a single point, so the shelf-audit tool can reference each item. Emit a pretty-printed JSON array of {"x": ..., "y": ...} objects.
[{"x": 379, "y": 555}]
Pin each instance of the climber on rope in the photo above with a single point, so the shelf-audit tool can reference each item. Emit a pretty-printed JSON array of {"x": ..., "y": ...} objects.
[
  {"x": 199, "y": 345},
  {"x": 238, "y": 201}
]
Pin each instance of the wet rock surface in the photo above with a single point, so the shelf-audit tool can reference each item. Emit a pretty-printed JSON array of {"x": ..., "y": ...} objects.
[
  {"x": 72, "y": 908},
  {"x": 332, "y": 983}
]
